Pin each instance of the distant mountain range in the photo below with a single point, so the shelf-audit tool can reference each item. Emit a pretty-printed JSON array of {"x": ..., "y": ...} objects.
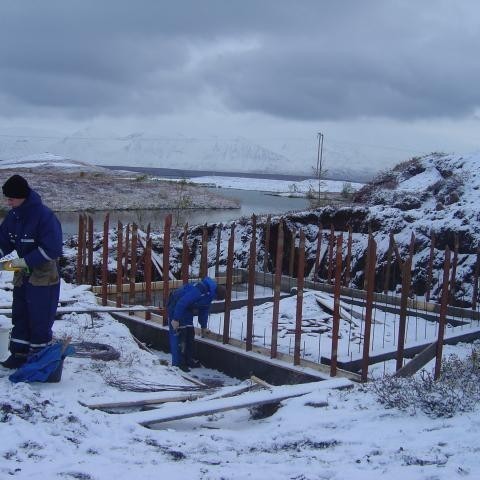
[{"x": 213, "y": 154}]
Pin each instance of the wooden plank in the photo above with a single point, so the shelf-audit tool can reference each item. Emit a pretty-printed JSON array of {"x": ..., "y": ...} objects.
[
  {"x": 141, "y": 402},
  {"x": 418, "y": 361},
  {"x": 253, "y": 399}
]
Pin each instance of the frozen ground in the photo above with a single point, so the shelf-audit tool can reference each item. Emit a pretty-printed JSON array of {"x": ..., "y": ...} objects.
[{"x": 47, "y": 433}]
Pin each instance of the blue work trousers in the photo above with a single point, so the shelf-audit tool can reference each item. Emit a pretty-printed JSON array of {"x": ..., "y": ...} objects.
[{"x": 33, "y": 313}]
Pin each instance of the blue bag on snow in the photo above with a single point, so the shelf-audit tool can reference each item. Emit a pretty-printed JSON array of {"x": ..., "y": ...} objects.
[{"x": 44, "y": 366}]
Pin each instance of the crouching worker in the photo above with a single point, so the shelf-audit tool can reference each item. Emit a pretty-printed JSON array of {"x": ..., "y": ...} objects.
[
  {"x": 35, "y": 233},
  {"x": 183, "y": 304}
]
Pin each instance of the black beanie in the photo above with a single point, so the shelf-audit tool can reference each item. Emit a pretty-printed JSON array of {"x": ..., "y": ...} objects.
[{"x": 16, "y": 187}]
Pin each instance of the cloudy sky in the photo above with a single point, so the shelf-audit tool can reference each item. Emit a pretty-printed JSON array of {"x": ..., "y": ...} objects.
[{"x": 396, "y": 78}]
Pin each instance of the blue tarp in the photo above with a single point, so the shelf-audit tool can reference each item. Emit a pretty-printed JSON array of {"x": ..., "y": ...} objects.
[{"x": 40, "y": 366}]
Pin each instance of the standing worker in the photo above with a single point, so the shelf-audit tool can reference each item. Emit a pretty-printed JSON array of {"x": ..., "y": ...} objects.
[
  {"x": 35, "y": 233},
  {"x": 184, "y": 303}
]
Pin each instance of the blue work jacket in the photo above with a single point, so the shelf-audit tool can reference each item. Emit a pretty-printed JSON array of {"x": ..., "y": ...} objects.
[
  {"x": 33, "y": 230},
  {"x": 194, "y": 299}
]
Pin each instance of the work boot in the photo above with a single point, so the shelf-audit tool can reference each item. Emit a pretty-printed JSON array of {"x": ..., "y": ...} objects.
[
  {"x": 14, "y": 361},
  {"x": 184, "y": 368}
]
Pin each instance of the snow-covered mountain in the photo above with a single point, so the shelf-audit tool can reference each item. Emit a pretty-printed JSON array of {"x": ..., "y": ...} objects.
[{"x": 238, "y": 154}]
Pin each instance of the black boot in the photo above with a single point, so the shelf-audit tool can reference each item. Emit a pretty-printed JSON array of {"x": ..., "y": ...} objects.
[{"x": 14, "y": 361}]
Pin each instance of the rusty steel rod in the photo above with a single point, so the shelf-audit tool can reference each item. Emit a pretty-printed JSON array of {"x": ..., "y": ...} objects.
[
  {"x": 204, "y": 253},
  {"x": 81, "y": 236},
  {"x": 316, "y": 272},
  {"x": 431, "y": 257},
  {"x": 84, "y": 249},
  {"x": 166, "y": 265},
  {"x": 105, "y": 261},
  {"x": 348, "y": 260},
  {"x": 371, "y": 269},
  {"x": 251, "y": 284},
  {"x": 443, "y": 315},
  {"x": 266, "y": 256},
  {"x": 406, "y": 277},
  {"x": 336, "y": 306},
  {"x": 475, "y": 280},
  {"x": 133, "y": 264},
  {"x": 453, "y": 288},
  {"x": 276, "y": 291},
  {"x": 299, "y": 310},
  {"x": 148, "y": 276},
  {"x": 185, "y": 255},
  {"x": 119, "y": 264},
  {"x": 388, "y": 266},
  {"x": 331, "y": 248},
  {"x": 126, "y": 249},
  {"x": 291, "y": 263},
  {"x": 90, "y": 277},
  {"x": 217, "y": 254},
  {"x": 228, "y": 286}
]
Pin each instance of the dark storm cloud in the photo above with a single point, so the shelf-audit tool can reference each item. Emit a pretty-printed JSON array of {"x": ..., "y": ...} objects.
[{"x": 299, "y": 60}]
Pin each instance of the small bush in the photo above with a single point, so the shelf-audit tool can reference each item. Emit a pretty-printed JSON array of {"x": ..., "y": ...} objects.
[{"x": 457, "y": 389}]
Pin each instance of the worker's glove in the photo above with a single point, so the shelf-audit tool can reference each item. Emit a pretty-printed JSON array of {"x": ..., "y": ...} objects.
[
  {"x": 14, "y": 265},
  {"x": 175, "y": 324},
  {"x": 204, "y": 332}
]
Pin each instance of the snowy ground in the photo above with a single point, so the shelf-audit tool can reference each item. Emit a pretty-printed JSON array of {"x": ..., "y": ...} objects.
[
  {"x": 47, "y": 433},
  {"x": 281, "y": 187}
]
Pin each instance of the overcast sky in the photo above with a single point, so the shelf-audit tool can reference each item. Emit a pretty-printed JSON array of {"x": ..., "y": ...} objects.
[{"x": 398, "y": 77}]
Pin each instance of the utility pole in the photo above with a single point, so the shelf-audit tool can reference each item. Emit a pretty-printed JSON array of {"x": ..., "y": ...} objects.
[{"x": 319, "y": 163}]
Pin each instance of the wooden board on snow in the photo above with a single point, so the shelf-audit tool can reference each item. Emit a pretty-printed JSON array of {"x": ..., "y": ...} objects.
[{"x": 173, "y": 412}]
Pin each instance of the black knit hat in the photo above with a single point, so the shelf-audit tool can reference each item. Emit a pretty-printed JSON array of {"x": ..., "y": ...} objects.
[{"x": 16, "y": 187}]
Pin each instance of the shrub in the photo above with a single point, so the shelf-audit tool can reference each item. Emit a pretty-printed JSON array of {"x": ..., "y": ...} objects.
[{"x": 457, "y": 389}]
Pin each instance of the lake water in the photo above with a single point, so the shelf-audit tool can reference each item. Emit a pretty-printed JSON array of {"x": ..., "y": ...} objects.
[{"x": 252, "y": 202}]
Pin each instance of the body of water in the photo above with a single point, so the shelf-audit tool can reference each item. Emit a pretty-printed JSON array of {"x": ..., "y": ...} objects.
[{"x": 252, "y": 202}]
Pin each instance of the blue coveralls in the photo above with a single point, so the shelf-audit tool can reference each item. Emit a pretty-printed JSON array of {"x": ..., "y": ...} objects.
[
  {"x": 193, "y": 299},
  {"x": 35, "y": 233}
]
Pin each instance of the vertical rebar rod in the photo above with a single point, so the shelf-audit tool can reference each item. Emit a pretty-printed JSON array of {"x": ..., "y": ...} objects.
[
  {"x": 348, "y": 260},
  {"x": 266, "y": 256},
  {"x": 251, "y": 284},
  {"x": 204, "y": 253},
  {"x": 84, "y": 248},
  {"x": 299, "y": 310},
  {"x": 90, "y": 278},
  {"x": 371, "y": 268},
  {"x": 105, "y": 260},
  {"x": 336, "y": 307},
  {"x": 388, "y": 266},
  {"x": 331, "y": 247},
  {"x": 454, "y": 270},
  {"x": 81, "y": 236},
  {"x": 317, "y": 253},
  {"x": 217, "y": 253},
  {"x": 133, "y": 264},
  {"x": 475, "y": 280},
  {"x": 406, "y": 277},
  {"x": 443, "y": 315},
  {"x": 127, "y": 251},
  {"x": 119, "y": 263},
  {"x": 148, "y": 276},
  {"x": 166, "y": 265},
  {"x": 229, "y": 285},
  {"x": 185, "y": 255},
  {"x": 291, "y": 264},
  {"x": 431, "y": 257},
  {"x": 276, "y": 291}
]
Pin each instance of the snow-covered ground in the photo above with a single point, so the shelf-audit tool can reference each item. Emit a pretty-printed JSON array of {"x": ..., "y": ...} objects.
[
  {"x": 281, "y": 187},
  {"x": 47, "y": 433}
]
